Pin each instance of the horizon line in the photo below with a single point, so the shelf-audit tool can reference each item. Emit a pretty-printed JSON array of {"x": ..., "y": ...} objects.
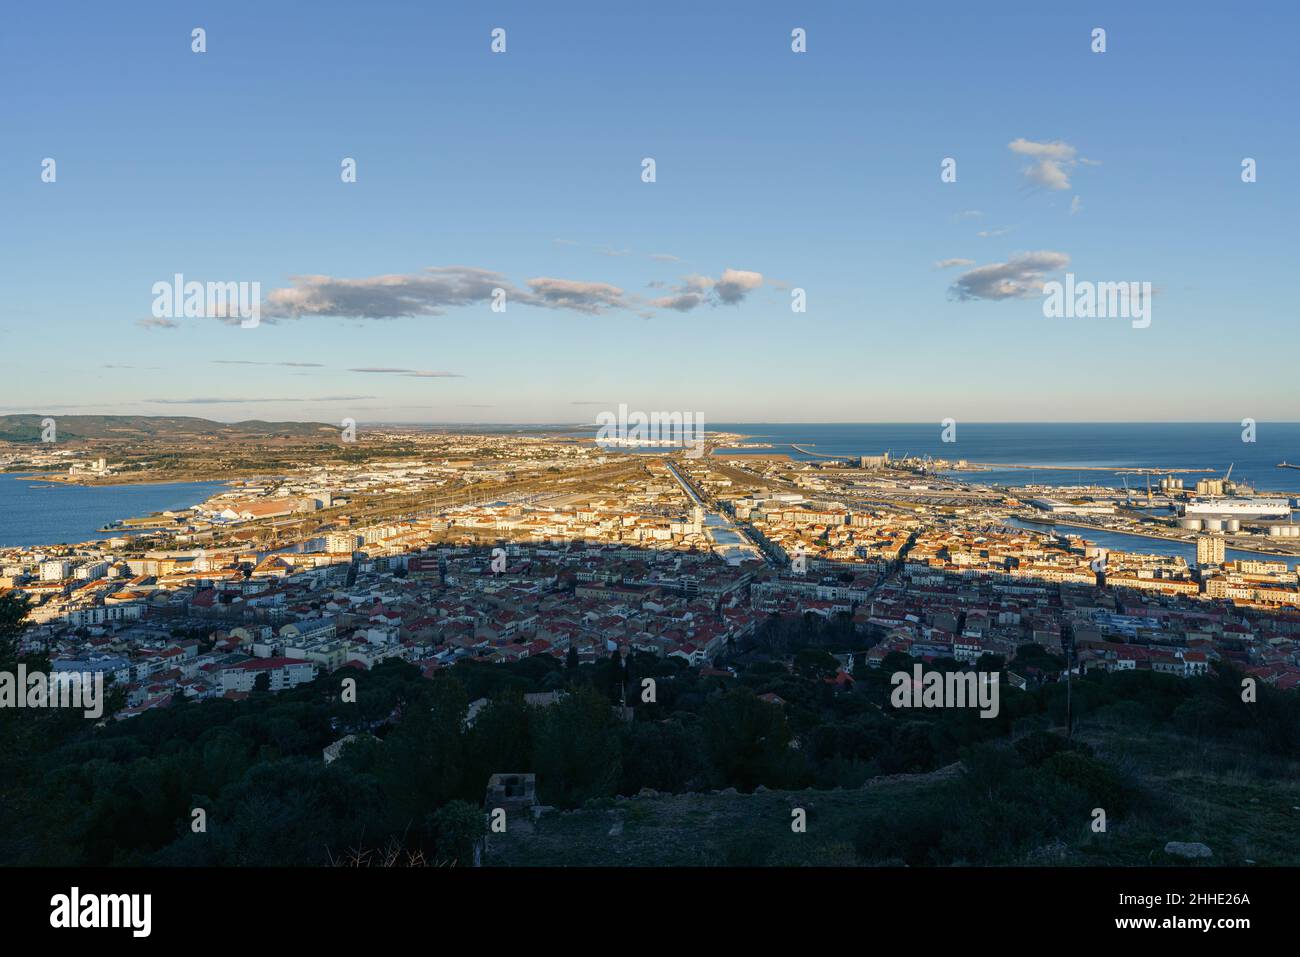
[{"x": 740, "y": 422}]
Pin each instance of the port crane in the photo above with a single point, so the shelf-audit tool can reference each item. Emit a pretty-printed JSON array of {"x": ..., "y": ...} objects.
[{"x": 1128, "y": 491}]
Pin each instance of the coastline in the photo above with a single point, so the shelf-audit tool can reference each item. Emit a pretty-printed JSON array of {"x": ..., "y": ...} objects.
[
  {"x": 79, "y": 482},
  {"x": 90, "y": 513}
]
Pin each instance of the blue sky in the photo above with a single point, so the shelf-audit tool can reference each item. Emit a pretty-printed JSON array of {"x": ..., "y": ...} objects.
[{"x": 523, "y": 170}]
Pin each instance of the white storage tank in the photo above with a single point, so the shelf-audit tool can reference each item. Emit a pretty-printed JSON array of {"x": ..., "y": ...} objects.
[
  {"x": 1191, "y": 524},
  {"x": 1213, "y": 525},
  {"x": 1232, "y": 525}
]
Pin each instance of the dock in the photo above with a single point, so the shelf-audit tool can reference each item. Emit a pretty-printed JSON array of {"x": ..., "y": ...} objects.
[{"x": 817, "y": 455}]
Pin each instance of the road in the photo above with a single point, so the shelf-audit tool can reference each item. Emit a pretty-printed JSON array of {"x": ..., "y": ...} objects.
[{"x": 721, "y": 522}]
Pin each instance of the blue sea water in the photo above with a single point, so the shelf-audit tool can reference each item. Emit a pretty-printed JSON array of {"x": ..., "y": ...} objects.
[
  {"x": 73, "y": 513},
  {"x": 1186, "y": 445}
]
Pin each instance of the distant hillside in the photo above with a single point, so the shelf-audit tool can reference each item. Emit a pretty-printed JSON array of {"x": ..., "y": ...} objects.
[{"x": 27, "y": 428}]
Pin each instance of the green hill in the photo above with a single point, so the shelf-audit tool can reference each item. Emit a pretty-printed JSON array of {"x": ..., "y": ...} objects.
[{"x": 26, "y": 428}]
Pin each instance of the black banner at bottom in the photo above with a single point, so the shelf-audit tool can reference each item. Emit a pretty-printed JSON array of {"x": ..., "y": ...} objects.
[{"x": 336, "y": 905}]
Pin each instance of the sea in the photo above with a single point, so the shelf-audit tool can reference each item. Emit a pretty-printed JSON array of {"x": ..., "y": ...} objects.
[
  {"x": 1074, "y": 449},
  {"x": 33, "y": 512},
  {"x": 1079, "y": 453}
]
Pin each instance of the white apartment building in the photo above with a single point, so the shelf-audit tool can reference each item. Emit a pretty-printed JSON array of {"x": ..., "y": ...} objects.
[{"x": 55, "y": 570}]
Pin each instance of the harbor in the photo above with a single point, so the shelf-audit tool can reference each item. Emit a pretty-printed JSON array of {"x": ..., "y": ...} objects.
[{"x": 1143, "y": 542}]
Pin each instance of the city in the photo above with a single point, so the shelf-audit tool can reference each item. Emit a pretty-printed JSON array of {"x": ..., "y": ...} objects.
[
  {"x": 548, "y": 545},
  {"x": 535, "y": 456}
]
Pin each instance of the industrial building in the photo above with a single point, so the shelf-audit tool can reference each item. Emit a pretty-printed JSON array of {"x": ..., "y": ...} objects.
[
  {"x": 1238, "y": 508},
  {"x": 1073, "y": 508}
]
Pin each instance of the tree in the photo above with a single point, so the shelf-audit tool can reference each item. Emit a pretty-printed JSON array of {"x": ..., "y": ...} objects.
[
  {"x": 13, "y": 618},
  {"x": 897, "y": 661},
  {"x": 813, "y": 663},
  {"x": 1034, "y": 655},
  {"x": 662, "y": 755},
  {"x": 747, "y": 740},
  {"x": 500, "y": 741},
  {"x": 422, "y": 762},
  {"x": 576, "y": 749},
  {"x": 29, "y": 818},
  {"x": 458, "y": 827}
]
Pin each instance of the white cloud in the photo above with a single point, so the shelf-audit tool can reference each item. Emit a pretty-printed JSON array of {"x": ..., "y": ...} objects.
[
  {"x": 426, "y": 293},
  {"x": 1020, "y": 277},
  {"x": 681, "y": 301},
  {"x": 429, "y": 293},
  {"x": 432, "y": 291},
  {"x": 730, "y": 289},
  {"x": 588, "y": 297},
  {"x": 1052, "y": 162},
  {"x": 736, "y": 284}
]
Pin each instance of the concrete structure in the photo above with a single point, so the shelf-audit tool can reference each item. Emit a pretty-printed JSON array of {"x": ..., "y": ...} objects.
[
  {"x": 1209, "y": 550},
  {"x": 1072, "y": 508},
  {"x": 1239, "y": 508}
]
